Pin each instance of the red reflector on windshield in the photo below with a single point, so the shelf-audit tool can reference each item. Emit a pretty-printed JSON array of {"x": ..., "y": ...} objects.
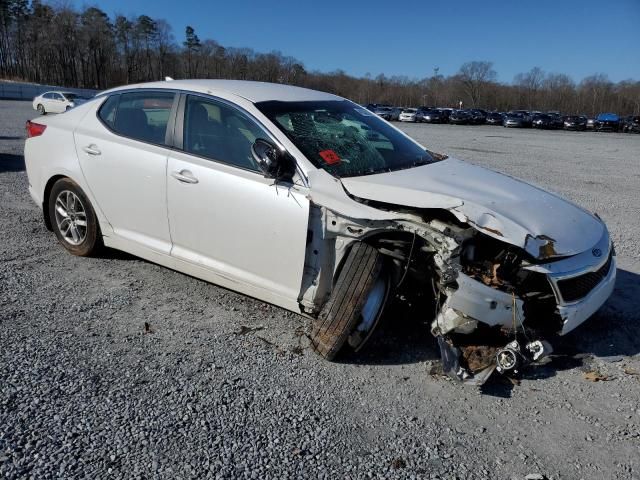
[
  {"x": 34, "y": 129},
  {"x": 330, "y": 157}
]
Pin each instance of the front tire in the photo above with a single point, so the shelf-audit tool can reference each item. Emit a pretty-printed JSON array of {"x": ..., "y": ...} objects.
[
  {"x": 73, "y": 219},
  {"x": 41, "y": 109},
  {"x": 343, "y": 311}
]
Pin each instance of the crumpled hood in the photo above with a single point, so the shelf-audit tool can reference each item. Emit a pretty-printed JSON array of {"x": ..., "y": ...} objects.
[{"x": 500, "y": 206}]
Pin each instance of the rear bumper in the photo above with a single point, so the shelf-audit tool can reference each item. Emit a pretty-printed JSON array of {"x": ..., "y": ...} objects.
[{"x": 34, "y": 196}]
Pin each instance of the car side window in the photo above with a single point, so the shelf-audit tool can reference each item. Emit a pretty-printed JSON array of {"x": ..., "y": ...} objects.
[
  {"x": 140, "y": 115},
  {"x": 107, "y": 112},
  {"x": 217, "y": 131},
  {"x": 48, "y": 96}
]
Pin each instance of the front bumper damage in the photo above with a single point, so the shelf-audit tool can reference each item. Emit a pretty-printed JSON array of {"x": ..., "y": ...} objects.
[
  {"x": 497, "y": 297},
  {"x": 481, "y": 328}
]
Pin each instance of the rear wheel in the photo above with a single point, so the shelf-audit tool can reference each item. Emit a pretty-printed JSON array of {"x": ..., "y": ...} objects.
[
  {"x": 41, "y": 109},
  {"x": 73, "y": 219},
  {"x": 357, "y": 300}
]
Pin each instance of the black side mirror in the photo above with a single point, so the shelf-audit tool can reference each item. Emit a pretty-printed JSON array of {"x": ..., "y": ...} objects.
[{"x": 273, "y": 163}]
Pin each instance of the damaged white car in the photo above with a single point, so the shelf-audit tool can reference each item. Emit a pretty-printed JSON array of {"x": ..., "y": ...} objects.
[{"x": 308, "y": 201}]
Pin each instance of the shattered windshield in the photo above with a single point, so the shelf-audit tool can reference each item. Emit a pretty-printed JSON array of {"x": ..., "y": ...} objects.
[{"x": 345, "y": 139}]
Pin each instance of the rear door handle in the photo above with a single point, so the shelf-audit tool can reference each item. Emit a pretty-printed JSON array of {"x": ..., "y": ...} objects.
[
  {"x": 92, "y": 149},
  {"x": 184, "y": 176}
]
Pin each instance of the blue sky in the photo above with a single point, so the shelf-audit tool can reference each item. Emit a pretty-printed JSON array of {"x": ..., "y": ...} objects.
[{"x": 406, "y": 37}]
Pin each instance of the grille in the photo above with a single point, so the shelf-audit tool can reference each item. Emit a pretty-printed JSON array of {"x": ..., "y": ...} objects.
[{"x": 575, "y": 288}]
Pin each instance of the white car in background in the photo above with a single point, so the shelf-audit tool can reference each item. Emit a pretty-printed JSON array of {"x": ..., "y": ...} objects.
[
  {"x": 311, "y": 202},
  {"x": 409, "y": 115},
  {"x": 56, "y": 102}
]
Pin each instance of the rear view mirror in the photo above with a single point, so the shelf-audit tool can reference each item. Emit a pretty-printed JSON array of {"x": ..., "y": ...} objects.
[{"x": 273, "y": 162}]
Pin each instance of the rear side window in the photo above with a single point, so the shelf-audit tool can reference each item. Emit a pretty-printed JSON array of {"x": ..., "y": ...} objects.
[
  {"x": 141, "y": 115},
  {"x": 107, "y": 111}
]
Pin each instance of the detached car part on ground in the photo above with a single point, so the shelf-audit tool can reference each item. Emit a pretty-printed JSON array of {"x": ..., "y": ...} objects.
[{"x": 349, "y": 213}]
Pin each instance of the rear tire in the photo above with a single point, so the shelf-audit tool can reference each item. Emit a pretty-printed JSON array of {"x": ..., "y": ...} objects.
[
  {"x": 73, "y": 219},
  {"x": 41, "y": 109},
  {"x": 342, "y": 312}
]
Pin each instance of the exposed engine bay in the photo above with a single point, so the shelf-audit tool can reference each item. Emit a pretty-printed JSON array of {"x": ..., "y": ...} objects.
[{"x": 491, "y": 305}]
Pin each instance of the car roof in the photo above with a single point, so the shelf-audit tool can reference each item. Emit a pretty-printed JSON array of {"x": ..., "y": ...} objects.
[{"x": 250, "y": 90}]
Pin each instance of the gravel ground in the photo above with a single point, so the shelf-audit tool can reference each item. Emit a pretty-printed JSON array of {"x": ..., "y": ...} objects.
[{"x": 87, "y": 391}]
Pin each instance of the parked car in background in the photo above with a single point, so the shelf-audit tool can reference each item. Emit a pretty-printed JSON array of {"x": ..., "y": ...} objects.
[
  {"x": 607, "y": 122},
  {"x": 396, "y": 113},
  {"x": 384, "y": 112},
  {"x": 478, "y": 116},
  {"x": 57, "y": 102},
  {"x": 431, "y": 115},
  {"x": 556, "y": 120},
  {"x": 516, "y": 119},
  {"x": 575, "y": 122},
  {"x": 445, "y": 112},
  {"x": 527, "y": 117},
  {"x": 460, "y": 117},
  {"x": 546, "y": 121},
  {"x": 189, "y": 175},
  {"x": 591, "y": 123},
  {"x": 409, "y": 115},
  {"x": 495, "y": 118},
  {"x": 630, "y": 124}
]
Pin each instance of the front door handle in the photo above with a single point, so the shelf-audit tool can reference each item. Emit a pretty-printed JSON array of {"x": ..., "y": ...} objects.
[
  {"x": 184, "y": 176},
  {"x": 92, "y": 149}
]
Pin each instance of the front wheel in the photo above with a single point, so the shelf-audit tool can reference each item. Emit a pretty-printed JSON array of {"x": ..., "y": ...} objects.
[
  {"x": 73, "y": 219},
  {"x": 41, "y": 109},
  {"x": 355, "y": 304}
]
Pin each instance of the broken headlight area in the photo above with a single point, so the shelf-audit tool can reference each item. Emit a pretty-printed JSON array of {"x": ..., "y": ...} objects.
[
  {"x": 472, "y": 359},
  {"x": 487, "y": 312},
  {"x": 496, "y": 315}
]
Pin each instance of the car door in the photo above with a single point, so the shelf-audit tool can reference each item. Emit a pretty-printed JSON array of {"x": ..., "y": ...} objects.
[
  {"x": 48, "y": 102},
  {"x": 223, "y": 214},
  {"x": 57, "y": 103},
  {"x": 123, "y": 154}
]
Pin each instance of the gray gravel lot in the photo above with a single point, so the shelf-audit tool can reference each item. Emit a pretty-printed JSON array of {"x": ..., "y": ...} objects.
[{"x": 87, "y": 392}]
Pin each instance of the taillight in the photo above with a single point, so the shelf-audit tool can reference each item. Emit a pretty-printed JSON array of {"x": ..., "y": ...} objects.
[{"x": 34, "y": 129}]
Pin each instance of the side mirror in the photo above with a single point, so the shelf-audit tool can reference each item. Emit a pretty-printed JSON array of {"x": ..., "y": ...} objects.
[{"x": 273, "y": 163}]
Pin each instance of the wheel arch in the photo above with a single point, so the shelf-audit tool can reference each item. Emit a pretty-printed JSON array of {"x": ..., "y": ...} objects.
[{"x": 45, "y": 198}]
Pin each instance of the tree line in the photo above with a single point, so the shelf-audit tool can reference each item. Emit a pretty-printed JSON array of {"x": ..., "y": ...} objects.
[{"x": 86, "y": 48}]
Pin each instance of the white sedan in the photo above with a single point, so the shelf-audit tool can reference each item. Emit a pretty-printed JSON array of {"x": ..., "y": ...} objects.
[
  {"x": 409, "y": 115},
  {"x": 56, "y": 102},
  {"x": 313, "y": 203}
]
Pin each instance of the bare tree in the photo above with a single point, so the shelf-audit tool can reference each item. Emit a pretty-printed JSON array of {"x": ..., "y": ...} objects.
[
  {"x": 47, "y": 43},
  {"x": 475, "y": 77},
  {"x": 530, "y": 82}
]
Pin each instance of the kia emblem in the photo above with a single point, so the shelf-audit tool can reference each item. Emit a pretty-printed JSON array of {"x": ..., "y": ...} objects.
[{"x": 596, "y": 252}]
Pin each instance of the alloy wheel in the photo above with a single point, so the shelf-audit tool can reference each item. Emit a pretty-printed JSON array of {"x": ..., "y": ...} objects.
[{"x": 71, "y": 217}]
